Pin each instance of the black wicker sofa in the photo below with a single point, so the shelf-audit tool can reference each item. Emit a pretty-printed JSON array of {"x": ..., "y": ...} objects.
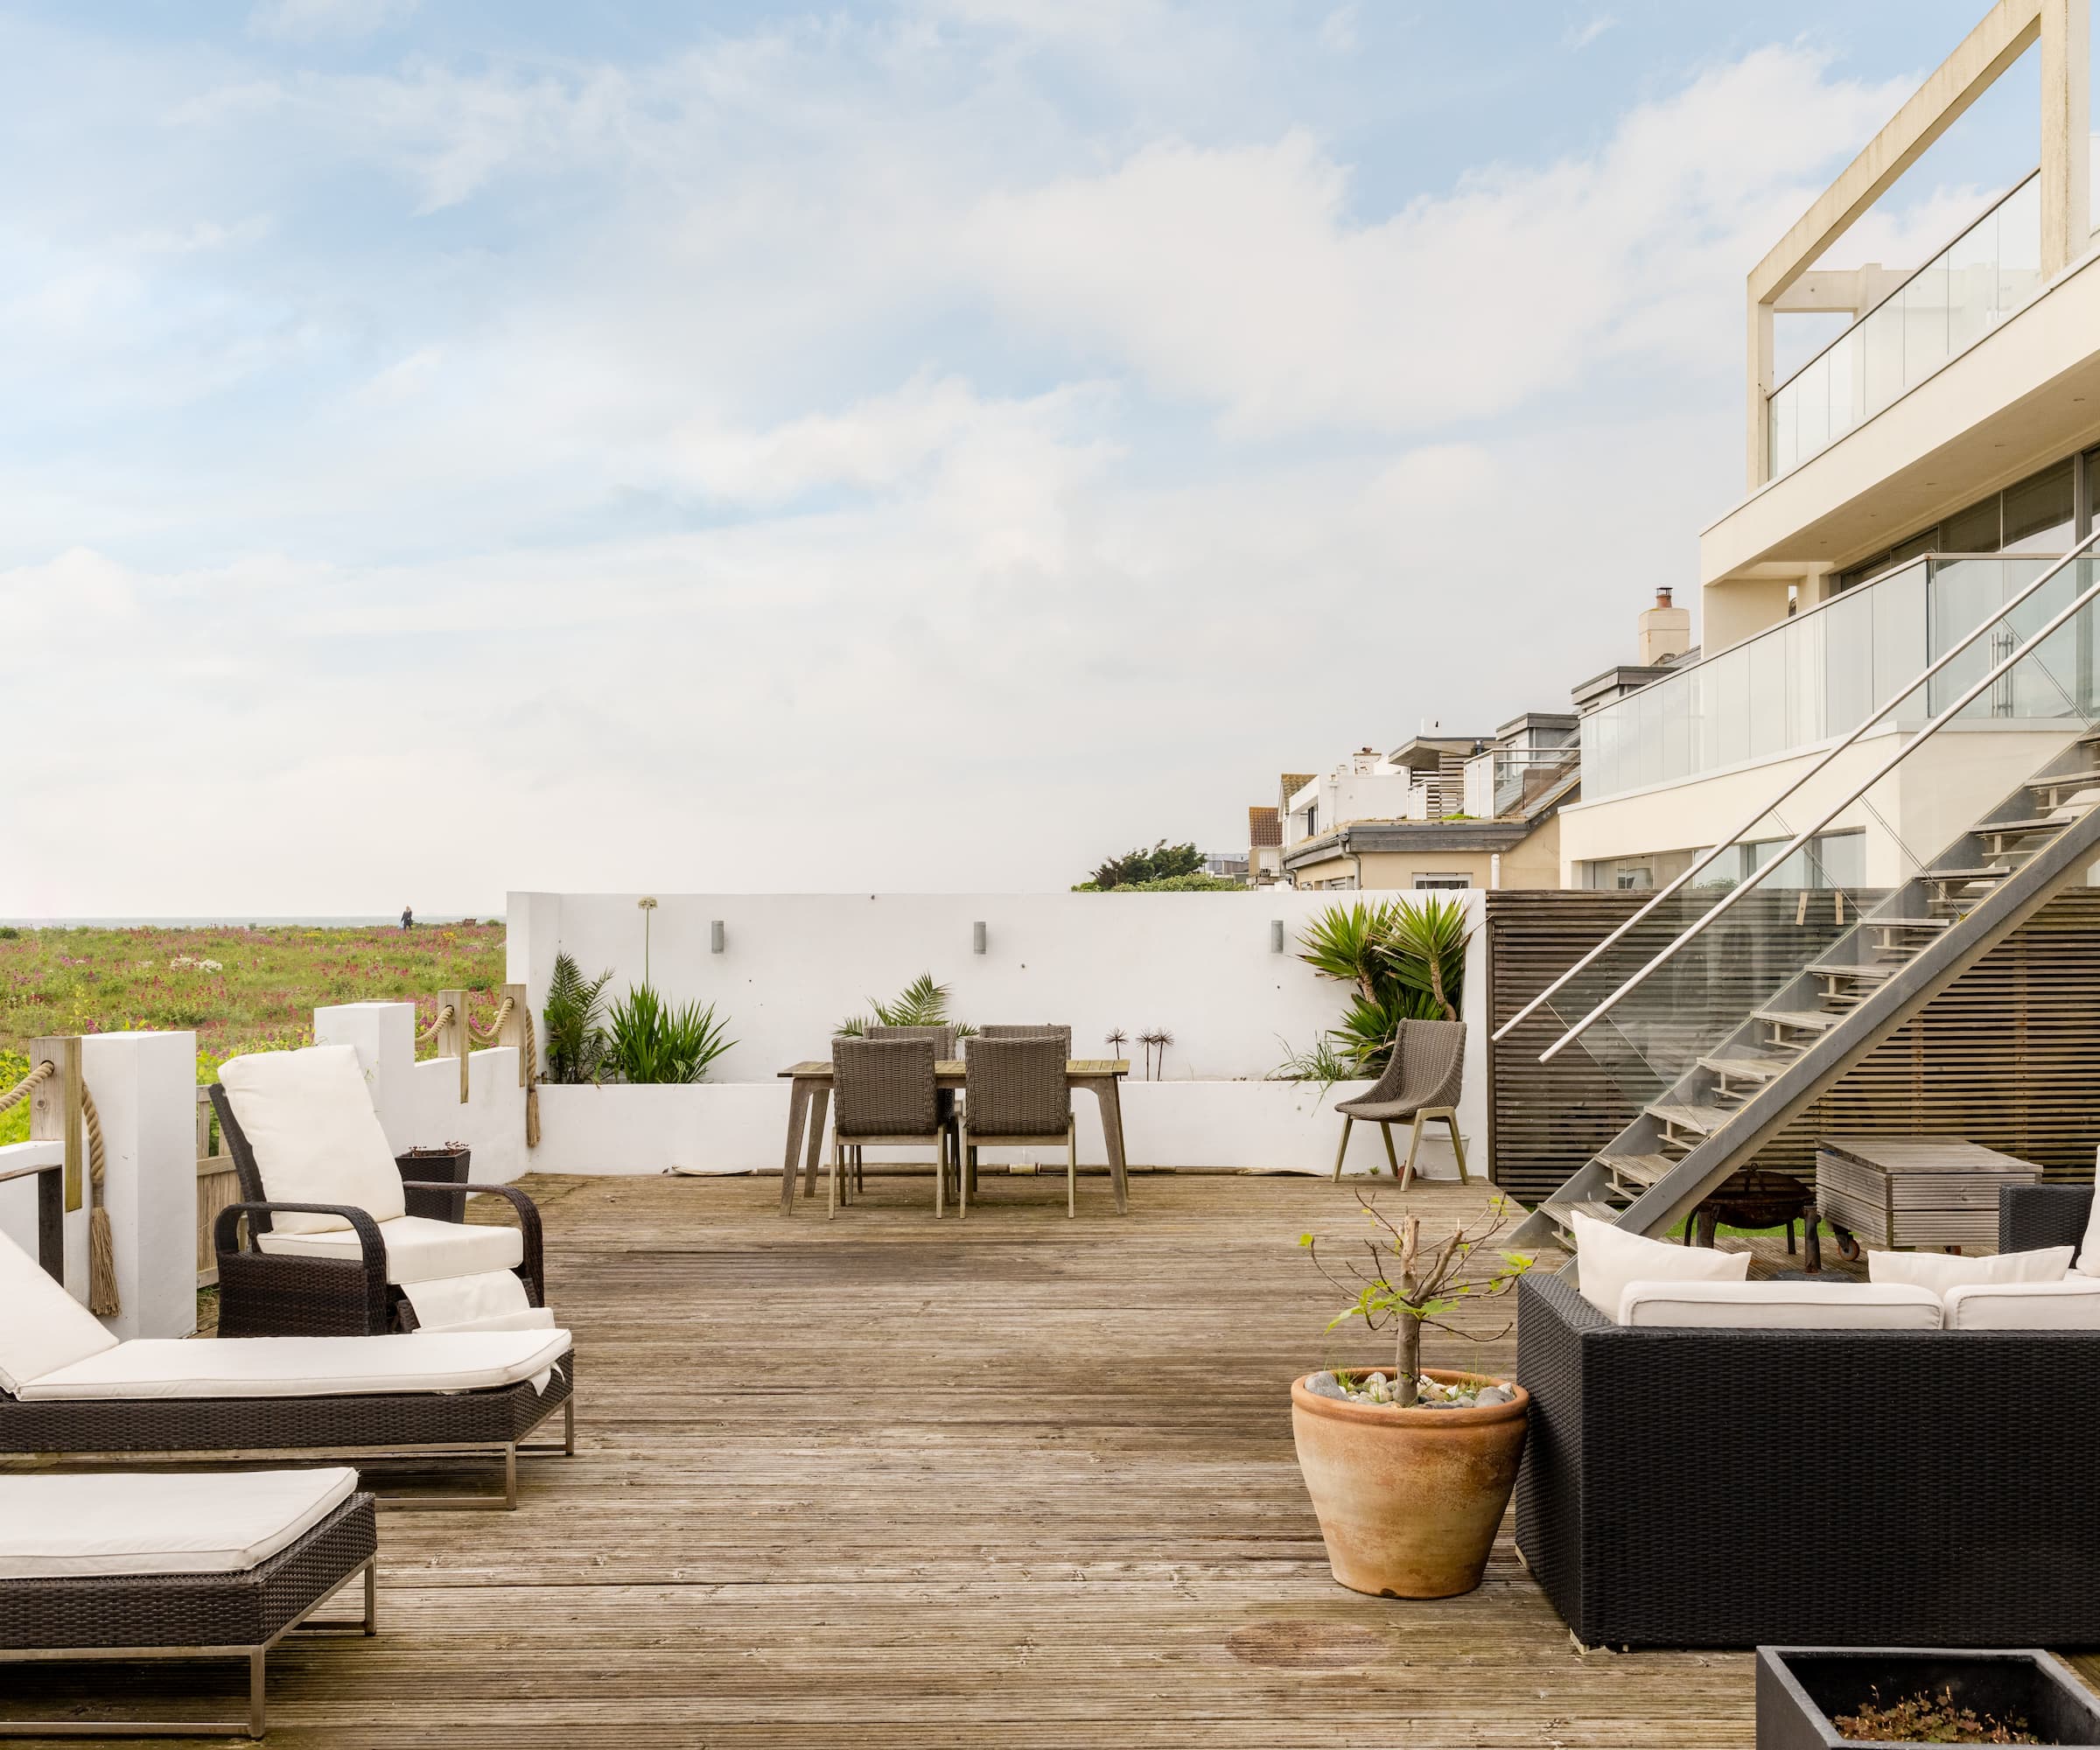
[{"x": 1705, "y": 1487}]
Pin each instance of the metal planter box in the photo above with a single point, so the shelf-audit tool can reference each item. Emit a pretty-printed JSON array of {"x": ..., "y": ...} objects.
[{"x": 1800, "y": 1688}]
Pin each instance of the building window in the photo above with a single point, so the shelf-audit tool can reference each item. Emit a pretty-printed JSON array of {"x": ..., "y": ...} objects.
[
  {"x": 1441, "y": 879},
  {"x": 1312, "y": 819},
  {"x": 2039, "y": 515}
]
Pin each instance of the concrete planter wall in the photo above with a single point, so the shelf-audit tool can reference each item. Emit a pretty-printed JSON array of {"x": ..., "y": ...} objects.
[{"x": 741, "y": 1127}]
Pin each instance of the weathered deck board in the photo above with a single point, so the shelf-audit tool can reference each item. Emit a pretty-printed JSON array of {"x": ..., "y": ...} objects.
[{"x": 1017, "y": 1481}]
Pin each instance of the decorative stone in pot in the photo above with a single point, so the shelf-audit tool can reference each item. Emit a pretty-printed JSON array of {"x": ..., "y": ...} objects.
[
  {"x": 1803, "y": 1691},
  {"x": 1409, "y": 1500}
]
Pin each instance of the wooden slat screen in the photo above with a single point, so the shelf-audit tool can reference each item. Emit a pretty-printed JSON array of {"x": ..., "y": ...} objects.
[{"x": 2008, "y": 1055}]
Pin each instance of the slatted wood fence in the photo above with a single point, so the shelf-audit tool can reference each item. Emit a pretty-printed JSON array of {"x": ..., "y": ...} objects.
[
  {"x": 2008, "y": 1055},
  {"x": 216, "y": 1187}
]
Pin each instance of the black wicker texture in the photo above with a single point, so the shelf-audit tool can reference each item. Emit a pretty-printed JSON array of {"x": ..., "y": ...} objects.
[
  {"x": 1016, "y": 1088},
  {"x": 1695, "y": 1487},
  {"x": 1427, "y": 1067},
  {"x": 494, "y": 1417},
  {"x": 242, "y": 1609},
  {"x": 884, "y": 1087},
  {"x": 2032, "y": 1218}
]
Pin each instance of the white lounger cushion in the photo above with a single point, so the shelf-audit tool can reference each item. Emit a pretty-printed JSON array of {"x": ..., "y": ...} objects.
[
  {"x": 198, "y": 1523},
  {"x": 305, "y": 1367},
  {"x": 2072, "y": 1304},
  {"x": 1942, "y": 1271},
  {"x": 493, "y": 1301},
  {"x": 1607, "y": 1258},
  {"x": 1781, "y": 1305},
  {"x": 419, "y": 1249},
  {"x": 308, "y": 1117},
  {"x": 42, "y": 1327}
]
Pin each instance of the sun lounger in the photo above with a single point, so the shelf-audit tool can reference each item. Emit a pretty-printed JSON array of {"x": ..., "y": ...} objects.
[{"x": 137, "y": 1567}]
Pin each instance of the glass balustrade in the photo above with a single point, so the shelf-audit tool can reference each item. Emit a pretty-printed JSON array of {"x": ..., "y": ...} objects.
[
  {"x": 1940, "y": 311},
  {"x": 1818, "y": 676}
]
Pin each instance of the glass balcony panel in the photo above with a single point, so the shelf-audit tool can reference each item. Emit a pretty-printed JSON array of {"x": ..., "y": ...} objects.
[
  {"x": 1962, "y": 595},
  {"x": 2019, "y": 247},
  {"x": 1768, "y": 671},
  {"x": 1848, "y": 660},
  {"x": 1899, "y": 636},
  {"x": 1924, "y": 302},
  {"x": 1729, "y": 679},
  {"x": 1973, "y": 306},
  {"x": 1811, "y": 407}
]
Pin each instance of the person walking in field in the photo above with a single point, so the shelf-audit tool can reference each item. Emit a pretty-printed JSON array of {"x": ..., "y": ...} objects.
[{"x": 408, "y": 917}]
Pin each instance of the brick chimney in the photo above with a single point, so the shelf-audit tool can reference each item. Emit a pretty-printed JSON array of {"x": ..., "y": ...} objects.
[{"x": 1665, "y": 630}]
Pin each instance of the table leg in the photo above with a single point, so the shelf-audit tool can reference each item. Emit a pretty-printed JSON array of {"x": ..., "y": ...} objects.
[
  {"x": 798, "y": 1112},
  {"x": 1110, "y": 1100},
  {"x": 820, "y": 1104}
]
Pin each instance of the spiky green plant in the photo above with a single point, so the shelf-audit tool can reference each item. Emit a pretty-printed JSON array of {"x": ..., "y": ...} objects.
[
  {"x": 575, "y": 1018},
  {"x": 648, "y": 1039},
  {"x": 1405, "y": 960},
  {"x": 921, "y": 1004},
  {"x": 1425, "y": 947}
]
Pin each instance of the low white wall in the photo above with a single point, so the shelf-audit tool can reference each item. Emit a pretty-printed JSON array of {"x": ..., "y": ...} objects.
[
  {"x": 1201, "y": 965},
  {"x": 741, "y": 1127},
  {"x": 418, "y": 1103}
]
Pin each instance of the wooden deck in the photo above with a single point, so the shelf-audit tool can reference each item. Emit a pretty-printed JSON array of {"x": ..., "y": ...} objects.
[{"x": 1021, "y": 1481}]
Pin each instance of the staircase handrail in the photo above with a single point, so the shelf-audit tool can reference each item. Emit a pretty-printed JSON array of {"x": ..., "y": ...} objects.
[
  {"x": 1729, "y": 843},
  {"x": 1933, "y": 725}
]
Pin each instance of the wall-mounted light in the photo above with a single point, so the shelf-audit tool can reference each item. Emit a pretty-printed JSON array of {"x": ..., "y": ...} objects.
[
  {"x": 1276, "y": 935},
  {"x": 976, "y": 938},
  {"x": 715, "y": 934}
]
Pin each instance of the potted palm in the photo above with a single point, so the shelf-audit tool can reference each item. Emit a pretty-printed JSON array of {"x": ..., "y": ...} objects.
[{"x": 1409, "y": 1472}]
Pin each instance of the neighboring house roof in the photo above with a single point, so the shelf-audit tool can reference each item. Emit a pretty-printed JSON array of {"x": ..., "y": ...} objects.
[
  {"x": 1291, "y": 783},
  {"x": 1264, "y": 827},
  {"x": 1359, "y": 835}
]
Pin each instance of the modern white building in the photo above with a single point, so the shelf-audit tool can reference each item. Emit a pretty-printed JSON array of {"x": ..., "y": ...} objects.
[{"x": 1919, "y": 469}]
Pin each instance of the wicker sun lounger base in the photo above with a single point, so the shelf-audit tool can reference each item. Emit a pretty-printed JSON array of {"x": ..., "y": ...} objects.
[
  {"x": 241, "y": 1615},
  {"x": 490, "y": 1424}
]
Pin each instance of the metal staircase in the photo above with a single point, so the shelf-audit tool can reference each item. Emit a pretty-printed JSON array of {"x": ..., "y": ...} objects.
[
  {"x": 1859, "y": 988},
  {"x": 1738, "y": 1038}
]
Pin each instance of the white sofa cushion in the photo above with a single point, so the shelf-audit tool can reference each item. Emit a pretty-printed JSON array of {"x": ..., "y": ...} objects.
[
  {"x": 1781, "y": 1305},
  {"x": 2071, "y": 1304},
  {"x": 191, "y": 1522},
  {"x": 419, "y": 1249},
  {"x": 305, "y": 1367},
  {"x": 308, "y": 1117},
  {"x": 1607, "y": 1258},
  {"x": 42, "y": 1327},
  {"x": 1941, "y": 1271}
]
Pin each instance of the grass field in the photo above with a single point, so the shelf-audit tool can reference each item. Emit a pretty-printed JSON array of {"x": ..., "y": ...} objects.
[{"x": 239, "y": 989}]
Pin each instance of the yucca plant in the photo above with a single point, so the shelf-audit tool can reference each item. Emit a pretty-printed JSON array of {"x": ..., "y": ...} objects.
[
  {"x": 1425, "y": 946},
  {"x": 575, "y": 1018},
  {"x": 921, "y": 1004},
  {"x": 648, "y": 1041},
  {"x": 1406, "y": 961}
]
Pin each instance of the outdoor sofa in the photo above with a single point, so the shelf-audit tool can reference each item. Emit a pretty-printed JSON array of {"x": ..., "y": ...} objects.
[
  {"x": 1701, "y": 1487},
  {"x": 70, "y": 1390},
  {"x": 138, "y": 1567}
]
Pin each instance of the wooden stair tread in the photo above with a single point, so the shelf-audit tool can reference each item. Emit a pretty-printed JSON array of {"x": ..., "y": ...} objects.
[
  {"x": 1814, "y": 1020},
  {"x": 1885, "y": 969},
  {"x": 1965, "y": 874},
  {"x": 1743, "y": 1069},
  {"x": 1596, "y": 1209},
  {"x": 1643, "y": 1169},
  {"x": 1701, "y": 1118}
]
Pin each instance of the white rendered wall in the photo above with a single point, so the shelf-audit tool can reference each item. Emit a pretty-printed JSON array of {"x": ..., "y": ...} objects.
[
  {"x": 795, "y": 965},
  {"x": 418, "y": 1103}
]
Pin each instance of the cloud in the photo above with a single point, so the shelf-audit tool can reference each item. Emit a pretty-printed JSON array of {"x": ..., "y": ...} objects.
[
  {"x": 1580, "y": 37},
  {"x": 1338, "y": 29},
  {"x": 304, "y": 20}
]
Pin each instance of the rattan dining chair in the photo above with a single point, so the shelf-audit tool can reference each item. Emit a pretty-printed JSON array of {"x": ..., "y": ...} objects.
[
  {"x": 946, "y": 1041},
  {"x": 1015, "y": 1095},
  {"x": 884, "y": 1093},
  {"x": 1054, "y": 1029},
  {"x": 1421, "y": 1082}
]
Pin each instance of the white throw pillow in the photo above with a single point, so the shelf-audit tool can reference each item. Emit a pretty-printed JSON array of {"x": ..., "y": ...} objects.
[
  {"x": 1781, "y": 1305},
  {"x": 1940, "y": 1272},
  {"x": 2089, "y": 1248},
  {"x": 2071, "y": 1304},
  {"x": 1607, "y": 1258},
  {"x": 308, "y": 1117}
]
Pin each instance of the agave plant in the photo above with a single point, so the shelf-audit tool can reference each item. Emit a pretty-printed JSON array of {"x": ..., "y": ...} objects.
[
  {"x": 575, "y": 1018},
  {"x": 648, "y": 1039},
  {"x": 1406, "y": 961}
]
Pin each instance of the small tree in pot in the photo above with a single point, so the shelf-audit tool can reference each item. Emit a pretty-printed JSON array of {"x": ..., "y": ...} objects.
[{"x": 1409, "y": 1477}]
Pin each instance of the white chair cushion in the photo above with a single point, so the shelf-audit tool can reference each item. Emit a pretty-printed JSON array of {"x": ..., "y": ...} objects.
[
  {"x": 305, "y": 1367},
  {"x": 1607, "y": 1259},
  {"x": 308, "y": 1117},
  {"x": 1940, "y": 1272},
  {"x": 419, "y": 1249},
  {"x": 2071, "y": 1304},
  {"x": 191, "y": 1522},
  {"x": 465, "y": 1302},
  {"x": 1781, "y": 1305},
  {"x": 42, "y": 1327}
]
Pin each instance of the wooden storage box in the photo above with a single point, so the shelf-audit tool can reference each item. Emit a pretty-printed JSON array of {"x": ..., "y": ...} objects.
[{"x": 1915, "y": 1191}]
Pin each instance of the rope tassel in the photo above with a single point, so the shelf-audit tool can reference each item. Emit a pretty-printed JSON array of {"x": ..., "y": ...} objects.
[{"x": 103, "y": 1299}]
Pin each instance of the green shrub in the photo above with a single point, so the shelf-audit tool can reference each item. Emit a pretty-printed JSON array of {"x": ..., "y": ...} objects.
[
  {"x": 648, "y": 1041},
  {"x": 575, "y": 1018}
]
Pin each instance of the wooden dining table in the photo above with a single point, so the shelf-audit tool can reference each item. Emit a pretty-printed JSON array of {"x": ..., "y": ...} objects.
[{"x": 809, "y": 1100}]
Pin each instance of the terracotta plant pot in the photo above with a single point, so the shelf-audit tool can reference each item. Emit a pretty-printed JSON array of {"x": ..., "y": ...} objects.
[{"x": 1408, "y": 1500}]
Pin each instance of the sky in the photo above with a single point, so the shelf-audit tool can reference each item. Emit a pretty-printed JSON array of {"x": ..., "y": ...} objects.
[{"x": 472, "y": 445}]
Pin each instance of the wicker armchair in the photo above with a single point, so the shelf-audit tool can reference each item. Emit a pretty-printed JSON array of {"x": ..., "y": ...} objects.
[
  {"x": 1421, "y": 1082},
  {"x": 1014, "y": 1094},
  {"x": 884, "y": 1093}
]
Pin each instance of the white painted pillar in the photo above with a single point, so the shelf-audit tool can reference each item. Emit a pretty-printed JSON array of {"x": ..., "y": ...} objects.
[
  {"x": 145, "y": 1086},
  {"x": 384, "y": 1034}
]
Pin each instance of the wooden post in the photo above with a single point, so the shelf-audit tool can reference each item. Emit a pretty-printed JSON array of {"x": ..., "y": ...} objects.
[
  {"x": 55, "y": 1109},
  {"x": 452, "y": 1038},
  {"x": 513, "y": 1031}
]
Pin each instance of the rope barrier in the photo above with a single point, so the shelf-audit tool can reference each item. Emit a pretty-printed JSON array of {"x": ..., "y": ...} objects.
[
  {"x": 103, "y": 1299},
  {"x": 432, "y": 1032},
  {"x": 28, "y": 1084},
  {"x": 489, "y": 1034},
  {"x": 532, "y": 1085}
]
